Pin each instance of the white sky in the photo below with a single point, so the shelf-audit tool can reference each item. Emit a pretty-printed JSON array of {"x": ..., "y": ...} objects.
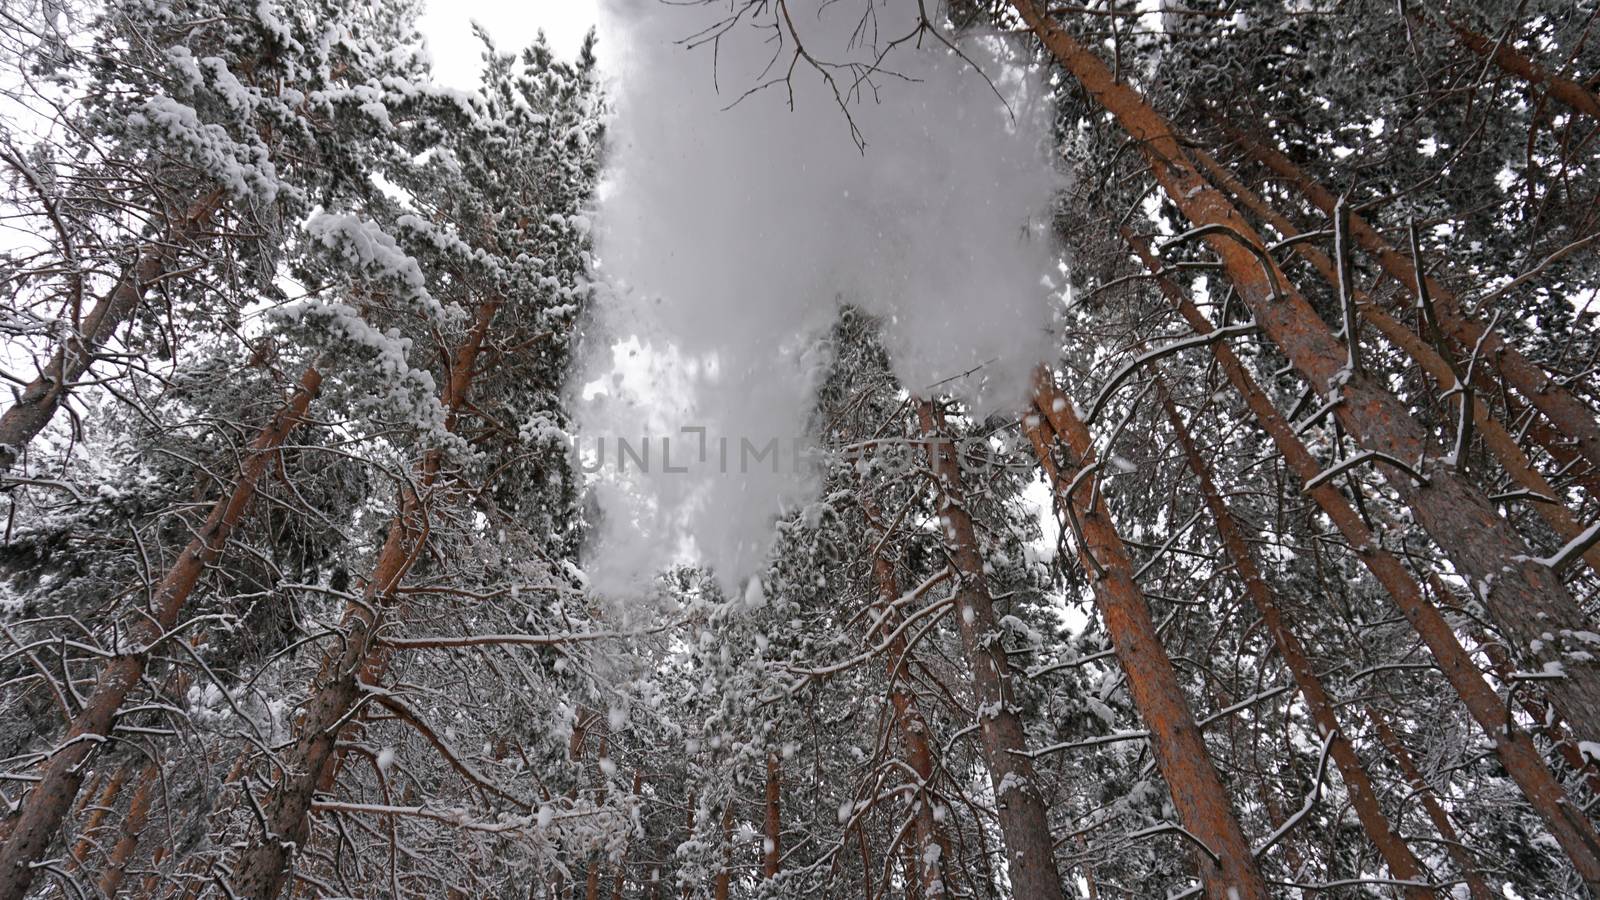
[{"x": 511, "y": 23}]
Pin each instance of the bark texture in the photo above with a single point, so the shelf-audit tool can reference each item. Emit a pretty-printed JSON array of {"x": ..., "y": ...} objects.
[
  {"x": 1024, "y": 821},
  {"x": 1524, "y": 597},
  {"x": 1227, "y": 866},
  {"x": 1514, "y": 748},
  {"x": 39, "y": 820}
]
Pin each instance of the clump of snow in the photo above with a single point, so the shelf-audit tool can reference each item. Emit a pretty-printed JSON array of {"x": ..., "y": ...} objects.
[
  {"x": 246, "y": 170},
  {"x": 731, "y": 227},
  {"x": 364, "y": 245}
]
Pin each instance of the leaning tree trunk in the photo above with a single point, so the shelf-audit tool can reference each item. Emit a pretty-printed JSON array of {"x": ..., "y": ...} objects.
[
  {"x": 1227, "y": 867},
  {"x": 932, "y": 844},
  {"x": 133, "y": 822},
  {"x": 1431, "y": 805},
  {"x": 1432, "y": 360},
  {"x": 43, "y": 395},
  {"x": 98, "y": 811},
  {"x": 1523, "y": 595},
  {"x": 772, "y": 822},
  {"x": 1024, "y": 820},
  {"x": 133, "y": 825},
  {"x": 1514, "y": 748},
  {"x": 1571, "y": 416},
  {"x": 1506, "y": 57},
  {"x": 39, "y": 819},
  {"x": 1402, "y": 863},
  {"x": 263, "y": 868}
]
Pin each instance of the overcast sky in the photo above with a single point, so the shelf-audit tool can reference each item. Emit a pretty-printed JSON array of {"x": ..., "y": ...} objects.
[{"x": 448, "y": 26}]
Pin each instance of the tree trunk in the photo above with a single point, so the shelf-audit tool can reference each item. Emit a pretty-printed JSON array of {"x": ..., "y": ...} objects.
[
  {"x": 1403, "y": 865},
  {"x": 1525, "y": 598},
  {"x": 1499, "y": 441},
  {"x": 1571, "y": 416},
  {"x": 771, "y": 846},
  {"x": 1506, "y": 57},
  {"x": 1024, "y": 821},
  {"x": 1514, "y": 748},
  {"x": 1430, "y": 803},
  {"x": 932, "y": 844},
  {"x": 1546, "y": 721},
  {"x": 43, "y": 395},
  {"x": 39, "y": 820},
  {"x": 133, "y": 826},
  {"x": 1227, "y": 868},
  {"x": 97, "y": 814},
  {"x": 263, "y": 867},
  {"x": 1562, "y": 449}
]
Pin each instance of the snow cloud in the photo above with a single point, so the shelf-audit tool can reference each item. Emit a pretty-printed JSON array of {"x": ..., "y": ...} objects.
[{"x": 735, "y": 219}]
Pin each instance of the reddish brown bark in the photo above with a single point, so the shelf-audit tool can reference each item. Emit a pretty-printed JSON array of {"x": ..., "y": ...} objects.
[
  {"x": 1228, "y": 871},
  {"x": 133, "y": 823},
  {"x": 932, "y": 844},
  {"x": 263, "y": 868},
  {"x": 1546, "y": 721},
  {"x": 1562, "y": 449},
  {"x": 1494, "y": 435},
  {"x": 1512, "y": 62},
  {"x": 1024, "y": 821},
  {"x": 42, "y": 397},
  {"x": 1403, "y": 865},
  {"x": 772, "y": 830},
  {"x": 1570, "y": 416},
  {"x": 1513, "y": 747},
  {"x": 97, "y": 813},
  {"x": 133, "y": 826},
  {"x": 93, "y": 785},
  {"x": 1430, "y": 803},
  {"x": 39, "y": 820},
  {"x": 1523, "y": 596}
]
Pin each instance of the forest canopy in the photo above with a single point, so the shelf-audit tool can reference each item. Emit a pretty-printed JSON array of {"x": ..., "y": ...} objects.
[{"x": 802, "y": 448}]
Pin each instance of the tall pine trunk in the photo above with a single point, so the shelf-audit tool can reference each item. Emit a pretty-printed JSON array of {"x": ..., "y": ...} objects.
[
  {"x": 1227, "y": 867},
  {"x": 133, "y": 825},
  {"x": 1024, "y": 820},
  {"x": 263, "y": 868},
  {"x": 1402, "y": 863},
  {"x": 932, "y": 843},
  {"x": 1430, "y": 803},
  {"x": 1431, "y": 358},
  {"x": 1572, "y": 417},
  {"x": 1524, "y": 596},
  {"x": 1514, "y": 748},
  {"x": 772, "y": 822},
  {"x": 39, "y": 819},
  {"x": 1506, "y": 57},
  {"x": 42, "y": 396}
]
